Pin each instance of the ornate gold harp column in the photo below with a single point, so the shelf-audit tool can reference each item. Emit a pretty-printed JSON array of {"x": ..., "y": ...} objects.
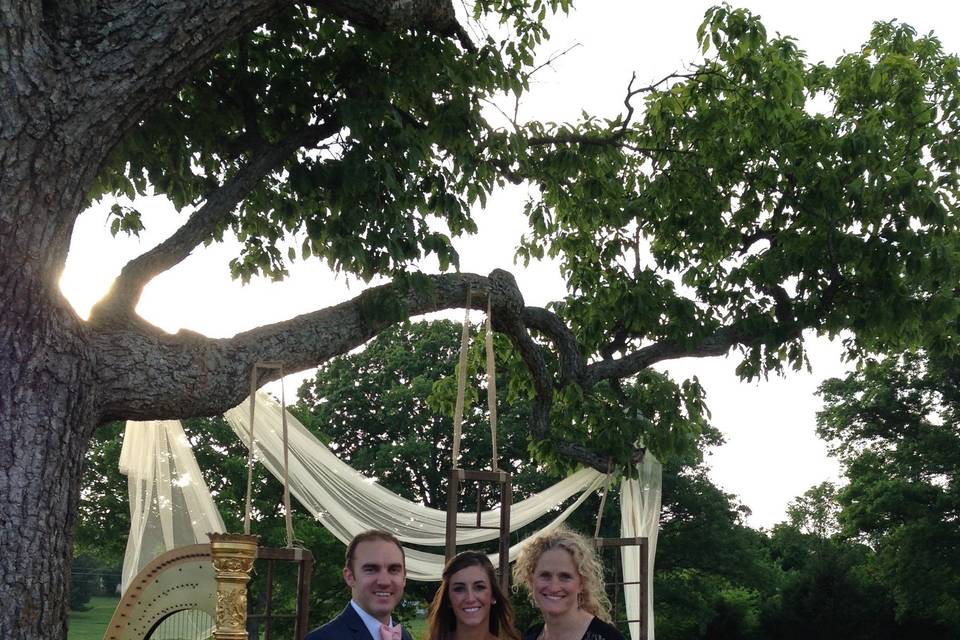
[{"x": 233, "y": 555}]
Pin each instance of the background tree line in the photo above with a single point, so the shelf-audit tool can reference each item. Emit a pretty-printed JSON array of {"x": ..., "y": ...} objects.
[{"x": 874, "y": 558}]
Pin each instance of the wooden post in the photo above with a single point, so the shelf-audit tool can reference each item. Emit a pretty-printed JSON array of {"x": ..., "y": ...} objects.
[{"x": 643, "y": 543}]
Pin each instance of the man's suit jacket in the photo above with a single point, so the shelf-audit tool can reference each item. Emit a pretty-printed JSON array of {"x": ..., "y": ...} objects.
[{"x": 346, "y": 626}]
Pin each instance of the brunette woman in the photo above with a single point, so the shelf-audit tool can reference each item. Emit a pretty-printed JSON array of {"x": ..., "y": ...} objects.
[{"x": 469, "y": 605}]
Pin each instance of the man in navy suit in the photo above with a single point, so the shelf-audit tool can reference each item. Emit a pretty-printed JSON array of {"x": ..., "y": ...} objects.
[{"x": 376, "y": 573}]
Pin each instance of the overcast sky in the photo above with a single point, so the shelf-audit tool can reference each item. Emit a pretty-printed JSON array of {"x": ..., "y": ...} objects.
[{"x": 771, "y": 453}]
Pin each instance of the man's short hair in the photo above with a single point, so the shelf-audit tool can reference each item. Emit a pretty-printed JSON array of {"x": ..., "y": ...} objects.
[{"x": 366, "y": 536}]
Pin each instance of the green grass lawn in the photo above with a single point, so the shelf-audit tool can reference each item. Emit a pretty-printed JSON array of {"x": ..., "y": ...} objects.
[{"x": 90, "y": 624}]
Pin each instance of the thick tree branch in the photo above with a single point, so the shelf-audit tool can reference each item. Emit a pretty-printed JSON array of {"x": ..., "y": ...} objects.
[
  {"x": 117, "y": 307},
  {"x": 148, "y": 375},
  {"x": 516, "y": 329},
  {"x": 564, "y": 342},
  {"x": 782, "y": 305},
  {"x": 715, "y": 345},
  {"x": 128, "y": 54},
  {"x": 574, "y": 369},
  {"x": 617, "y": 343},
  {"x": 152, "y": 375},
  {"x": 437, "y": 16}
]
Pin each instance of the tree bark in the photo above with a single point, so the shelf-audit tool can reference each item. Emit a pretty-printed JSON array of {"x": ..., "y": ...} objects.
[
  {"x": 47, "y": 417},
  {"x": 47, "y": 414}
]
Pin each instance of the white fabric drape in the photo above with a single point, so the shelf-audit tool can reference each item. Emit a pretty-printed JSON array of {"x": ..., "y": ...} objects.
[
  {"x": 170, "y": 505},
  {"x": 346, "y": 502},
  {"x": 639, "y": 518}
]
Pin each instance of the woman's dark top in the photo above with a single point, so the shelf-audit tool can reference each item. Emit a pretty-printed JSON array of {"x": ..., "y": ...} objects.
[{"x": 598, "y": 630}]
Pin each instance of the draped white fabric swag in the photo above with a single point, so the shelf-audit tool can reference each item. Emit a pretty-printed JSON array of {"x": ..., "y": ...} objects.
[
  {"x": 171, "y": 506},
  {"x": 639, "y": 518}
]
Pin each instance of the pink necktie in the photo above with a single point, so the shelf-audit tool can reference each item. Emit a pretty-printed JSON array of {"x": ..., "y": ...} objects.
[{"x": 390, "y": 633}]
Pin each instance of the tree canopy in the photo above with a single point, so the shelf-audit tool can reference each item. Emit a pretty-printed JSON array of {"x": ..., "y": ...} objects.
[
  {"x": 894, "y": 426},
  {"x": 730, "y": 207}
]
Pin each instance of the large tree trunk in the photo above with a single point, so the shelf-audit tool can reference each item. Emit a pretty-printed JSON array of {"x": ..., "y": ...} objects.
[
  {"x": 47, "y": 401},
  {"x": 47, "y": 406},
  {"x": 47, "y": 415}
]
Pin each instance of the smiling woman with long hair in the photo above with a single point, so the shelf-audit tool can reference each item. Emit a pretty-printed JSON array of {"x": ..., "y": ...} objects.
[
  {"x": 469, "y": 605},
  {"x": 565, "y": 581}
]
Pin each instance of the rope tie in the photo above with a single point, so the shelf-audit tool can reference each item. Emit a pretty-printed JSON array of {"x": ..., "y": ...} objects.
[
  {"x": 491, "y": 388},
  {"x": 461, "y": 380},
  {"x": 462, "y": 383},
  {"x": 603, "y": 498}
]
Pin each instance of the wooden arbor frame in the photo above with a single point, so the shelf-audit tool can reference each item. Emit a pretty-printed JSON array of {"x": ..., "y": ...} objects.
[
  {"x": 644, "y": 548},
  {"x": 303, "y": 558},
  {"x": 501, "y": 478}
]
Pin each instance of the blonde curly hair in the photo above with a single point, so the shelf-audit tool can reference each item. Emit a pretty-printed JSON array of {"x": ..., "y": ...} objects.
[{"x": 594, "y": 599}]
